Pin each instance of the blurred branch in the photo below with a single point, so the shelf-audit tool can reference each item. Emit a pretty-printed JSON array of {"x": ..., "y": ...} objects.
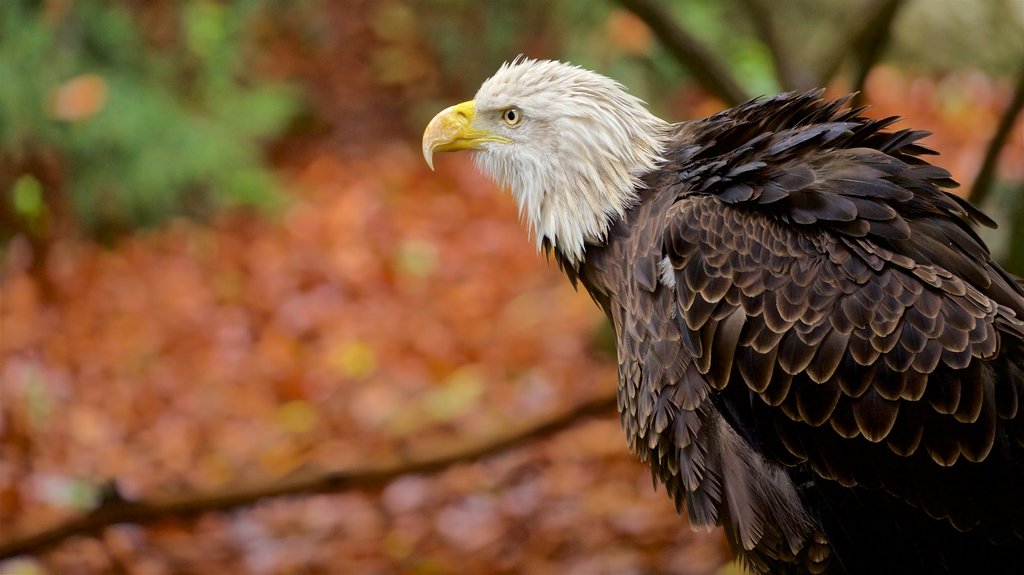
[
  {"x": 986, "y": 175},
  {"x": 707, "y": 68},
  {"x": 789, "y": 71},
  {"x": 872, "y": 45},
  {"x": 114, "y": 509},
  {"x": 862, "y": 31}
]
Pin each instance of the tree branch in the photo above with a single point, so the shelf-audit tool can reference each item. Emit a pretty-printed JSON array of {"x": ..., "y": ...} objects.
[
  {"x": 114, "y": 509},
  {"x": 789, "y": 72},
  {"x": 858, "y": 37},
  {"x": 708, "y": 70},
  {"x": 872, "y": 46},
  {"x": 986, "y": 174}
]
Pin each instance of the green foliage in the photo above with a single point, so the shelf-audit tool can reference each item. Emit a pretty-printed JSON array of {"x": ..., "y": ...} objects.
[
  {"x": 980, "y": 35},
  {"x": 728, "y": 28},
  {"x": 143, "y": 129},
  {"x": 27, "y": 197},
  {"x": 471, "y": 38},
  {"x": 1007, "y": 241}
]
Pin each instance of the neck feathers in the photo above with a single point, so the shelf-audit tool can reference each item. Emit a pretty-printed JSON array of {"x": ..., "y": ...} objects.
[{"x": 571, "y": 194}]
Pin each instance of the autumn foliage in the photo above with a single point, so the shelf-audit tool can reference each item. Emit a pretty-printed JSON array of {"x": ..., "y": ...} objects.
[
  {"x": 386, "y": 313},
  {"x": 387, "y": 310}
]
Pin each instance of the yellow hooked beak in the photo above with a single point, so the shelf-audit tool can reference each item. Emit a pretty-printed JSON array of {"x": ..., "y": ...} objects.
[{"x": 452, "y": 130}]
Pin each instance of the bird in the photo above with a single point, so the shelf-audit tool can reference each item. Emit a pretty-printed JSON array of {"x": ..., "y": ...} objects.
[{"x": 815, "y": 348}]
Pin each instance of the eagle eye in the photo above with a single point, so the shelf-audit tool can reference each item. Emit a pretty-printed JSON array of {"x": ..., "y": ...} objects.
[{"x": 512, "y": 116}]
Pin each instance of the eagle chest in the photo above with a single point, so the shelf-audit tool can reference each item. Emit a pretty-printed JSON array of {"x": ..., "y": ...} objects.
[{"x": 662, "y": 398}]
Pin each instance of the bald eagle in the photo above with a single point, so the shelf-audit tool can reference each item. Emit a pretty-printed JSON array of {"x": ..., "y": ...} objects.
[{"x": 815, "y": 348}]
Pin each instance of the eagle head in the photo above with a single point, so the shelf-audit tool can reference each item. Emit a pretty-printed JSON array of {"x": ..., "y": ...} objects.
[{"x": 570, "y": 144}]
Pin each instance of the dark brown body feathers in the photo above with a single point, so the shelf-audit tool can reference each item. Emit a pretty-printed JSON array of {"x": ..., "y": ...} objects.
[{"x": 816, "y": 350}]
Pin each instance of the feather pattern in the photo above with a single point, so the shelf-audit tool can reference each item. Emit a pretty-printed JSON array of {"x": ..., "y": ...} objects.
[{"x": 836, "y": 296}]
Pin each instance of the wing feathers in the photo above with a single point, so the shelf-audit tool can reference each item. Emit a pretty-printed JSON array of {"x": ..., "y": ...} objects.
[
  {"x": 798, "y": 289},
  {"x": 883, "y": 353}
]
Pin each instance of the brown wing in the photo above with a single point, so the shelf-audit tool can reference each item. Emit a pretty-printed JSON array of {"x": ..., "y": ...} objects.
[
  {"x": 851, "y": 318},
  {"x": 671, "y": 416},
  {"x": 807, "y": 325}
]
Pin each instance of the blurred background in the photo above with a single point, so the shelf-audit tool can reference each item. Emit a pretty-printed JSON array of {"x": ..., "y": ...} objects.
[{"x": 226, "y": 265}]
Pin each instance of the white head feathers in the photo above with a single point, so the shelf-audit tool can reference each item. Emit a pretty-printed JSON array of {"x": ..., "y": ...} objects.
[{"x": 579, "y": 145}]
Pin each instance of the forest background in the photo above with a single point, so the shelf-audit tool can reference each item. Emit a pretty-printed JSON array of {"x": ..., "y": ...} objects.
[{"x": 243, "y": 329}]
